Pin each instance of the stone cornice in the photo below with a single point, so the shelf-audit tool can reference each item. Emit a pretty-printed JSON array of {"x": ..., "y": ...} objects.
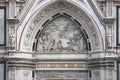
[
  {"x": 20, "y": 63},
  {"x": 104, "y": 62}
]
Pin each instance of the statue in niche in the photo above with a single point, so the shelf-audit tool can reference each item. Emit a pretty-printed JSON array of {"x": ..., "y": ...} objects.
[
  {"x": 12, "y": 42},
  {"x": 61, "y": 35}
]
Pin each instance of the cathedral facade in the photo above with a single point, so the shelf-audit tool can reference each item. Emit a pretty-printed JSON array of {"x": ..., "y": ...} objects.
[{"x": 60, "y": 39}]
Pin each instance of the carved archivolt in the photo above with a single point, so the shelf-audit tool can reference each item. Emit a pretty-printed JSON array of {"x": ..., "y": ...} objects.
[{"x": 60, "y": 6}]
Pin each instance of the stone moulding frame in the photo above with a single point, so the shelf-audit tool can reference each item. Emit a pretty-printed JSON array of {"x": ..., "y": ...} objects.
[{"x": 4, "y": 26}]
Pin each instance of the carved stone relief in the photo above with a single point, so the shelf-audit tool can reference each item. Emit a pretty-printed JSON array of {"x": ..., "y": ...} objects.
[
  {"x": 12, "y": 74},
  {"x": 61, "y": 76},
  {"x": 12, "y": 38},
  {"x": 102, "y": 6},
  {"x": 60, "y": 6},
  {"x": 26, "y": 75},
  {"x": 61, "y": 35},
  {"x": 110, "y": 74},
  {"x": 96, "y": 75}
]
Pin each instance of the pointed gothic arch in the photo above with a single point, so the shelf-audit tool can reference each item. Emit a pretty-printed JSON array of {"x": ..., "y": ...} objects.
[
  {"x": 66, "y": 32},
  {"x": 81, "y": 15}
]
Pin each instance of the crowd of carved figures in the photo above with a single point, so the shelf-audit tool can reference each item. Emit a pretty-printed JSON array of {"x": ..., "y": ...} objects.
[{"x": 61, "y": 35}]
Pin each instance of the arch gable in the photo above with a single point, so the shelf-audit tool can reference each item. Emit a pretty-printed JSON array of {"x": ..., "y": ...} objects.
[{"x": 82, "y": 17}]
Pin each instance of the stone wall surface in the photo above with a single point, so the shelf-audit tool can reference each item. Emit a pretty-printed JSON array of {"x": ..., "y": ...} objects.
[{"x": 59, "y": 39}]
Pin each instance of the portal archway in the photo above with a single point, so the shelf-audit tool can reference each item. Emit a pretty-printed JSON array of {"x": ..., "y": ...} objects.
[
  {"x": 62, "y": 33},
  {"x": 60, "y": 7}
]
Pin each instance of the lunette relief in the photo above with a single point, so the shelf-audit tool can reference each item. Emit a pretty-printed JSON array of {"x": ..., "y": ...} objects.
[{"x": 61, "y": 35}]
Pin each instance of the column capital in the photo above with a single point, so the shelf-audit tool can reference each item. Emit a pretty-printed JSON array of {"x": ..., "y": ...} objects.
[
  {"x": 108, "y": 20},
  {"x": 13, "y": 20}
]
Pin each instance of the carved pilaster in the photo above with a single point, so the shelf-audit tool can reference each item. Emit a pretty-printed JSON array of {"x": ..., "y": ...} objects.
[
  {"x": 12, "y": 23},
  {"x": 109, "y": 30},
  {"x": 109, "y": 20},
  {"x": 102, "y": 69},
  {"x": 12, "y": 8},
  {"x": 11, "y": 73},
  {"x": 12, "y": 32},
  {"x": 20, "y": 69},
  {"x": 110, "y": 73},
  {"x": 109, "y": 4}
]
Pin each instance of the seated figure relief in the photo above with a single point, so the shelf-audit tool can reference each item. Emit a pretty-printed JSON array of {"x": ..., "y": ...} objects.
[{"x": 61, "y": 35}]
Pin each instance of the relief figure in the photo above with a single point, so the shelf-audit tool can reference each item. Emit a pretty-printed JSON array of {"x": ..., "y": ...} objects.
[{"x": 62, "y": 36}]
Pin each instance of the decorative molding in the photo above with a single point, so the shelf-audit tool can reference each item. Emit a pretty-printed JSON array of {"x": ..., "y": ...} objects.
[
  {"x": 20, "y": 63},
  {"x": 24, "y": 10},
  {"x": 62, "y": 65},
  {"x": 97, "y": 63}
]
